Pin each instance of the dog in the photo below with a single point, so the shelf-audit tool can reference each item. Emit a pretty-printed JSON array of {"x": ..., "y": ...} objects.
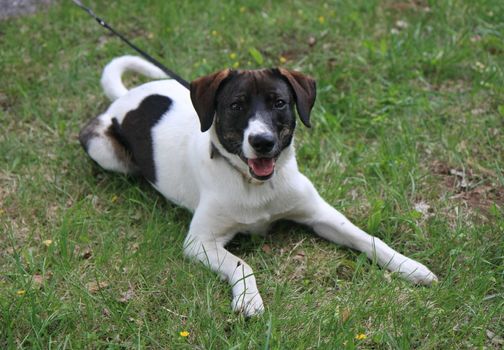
[{"x": 223, "y": 149}]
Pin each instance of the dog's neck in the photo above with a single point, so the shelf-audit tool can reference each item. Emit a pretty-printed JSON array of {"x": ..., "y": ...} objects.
[{"x": 216, "y": 153}]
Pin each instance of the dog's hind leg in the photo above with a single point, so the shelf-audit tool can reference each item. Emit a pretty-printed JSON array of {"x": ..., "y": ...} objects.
[{"x": 101, "y": 141}]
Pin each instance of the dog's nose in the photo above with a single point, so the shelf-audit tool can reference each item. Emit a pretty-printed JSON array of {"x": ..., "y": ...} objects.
[{"x": 262, "y": 143}]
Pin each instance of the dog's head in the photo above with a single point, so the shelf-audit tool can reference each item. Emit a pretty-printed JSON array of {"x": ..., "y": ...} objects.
[{"x": 253, "y": 113}]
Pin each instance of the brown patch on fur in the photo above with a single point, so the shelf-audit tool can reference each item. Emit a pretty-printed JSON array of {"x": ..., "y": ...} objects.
[
  {"x": 88, "y": 132},
  {"x": 203, "y": 93},
  {"x": 305, "y": 90},
  {"x": 91, "y": 130},
  {"x": 120, "y": 150}
]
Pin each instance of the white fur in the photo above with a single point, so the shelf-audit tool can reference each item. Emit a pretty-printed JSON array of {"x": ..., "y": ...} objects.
[{"x": 226, "y": 200}]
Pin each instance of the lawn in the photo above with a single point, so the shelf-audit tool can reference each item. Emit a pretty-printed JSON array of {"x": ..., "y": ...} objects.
[{"x": 407, "y": 141}]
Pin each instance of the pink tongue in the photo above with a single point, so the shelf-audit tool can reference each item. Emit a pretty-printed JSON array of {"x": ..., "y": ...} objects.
[{"x": 262, "y": 166}]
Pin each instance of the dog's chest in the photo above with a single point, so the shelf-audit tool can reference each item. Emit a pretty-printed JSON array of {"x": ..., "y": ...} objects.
[
  {"x": 252, "y": 221},
  {"x": 257, "y": 206}
]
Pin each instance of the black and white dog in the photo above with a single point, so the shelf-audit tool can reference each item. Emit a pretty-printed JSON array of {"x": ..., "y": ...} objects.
[{"x": 223, "y": 149}]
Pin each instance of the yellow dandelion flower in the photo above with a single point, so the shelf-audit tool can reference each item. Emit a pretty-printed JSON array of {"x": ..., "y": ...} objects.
[
  {"x": 47, "y": 242},
  {"x": 282, "y": 59},
  {"x": 360, "y": 336},
  {"x": 21, "y": 292},
  {"x": 236, "y": 64},
  {"x": 243, "y": 9},
  {"x": 232, "y": 55},
  {"x": 184, "y": 334},
  {"x": 321, "y": 19},
  {"x": 215, "y": 33}
]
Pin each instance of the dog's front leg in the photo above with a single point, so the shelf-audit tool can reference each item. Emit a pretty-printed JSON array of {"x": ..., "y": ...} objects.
[
  {"x": 330, "y": 224},
  {"x": 205, "y": 242}
]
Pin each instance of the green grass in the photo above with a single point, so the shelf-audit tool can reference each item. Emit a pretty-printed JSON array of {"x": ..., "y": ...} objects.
[{"x": 398, "y": 113}]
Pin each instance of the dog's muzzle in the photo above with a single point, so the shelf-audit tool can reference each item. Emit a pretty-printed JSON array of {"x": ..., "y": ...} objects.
[{"x": 263, "y": 166}]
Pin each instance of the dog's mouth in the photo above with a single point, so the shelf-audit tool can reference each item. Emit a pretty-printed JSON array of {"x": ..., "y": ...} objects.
[{"x": 261, "y": 168}]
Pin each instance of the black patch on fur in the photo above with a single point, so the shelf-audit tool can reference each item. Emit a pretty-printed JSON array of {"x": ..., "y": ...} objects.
[{"x": 135, "y": 132}]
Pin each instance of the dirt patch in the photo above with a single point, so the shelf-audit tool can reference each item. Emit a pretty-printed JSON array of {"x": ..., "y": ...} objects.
[
  {"x": 453, "y": 86},
  {"x": 476, "y": 190},
  {"x": 15, "y": 8},
  {"x": 415, "y": 5}
]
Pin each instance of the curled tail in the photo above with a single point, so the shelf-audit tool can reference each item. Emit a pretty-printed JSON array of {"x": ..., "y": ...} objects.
[{"x": 112, "y": 73}]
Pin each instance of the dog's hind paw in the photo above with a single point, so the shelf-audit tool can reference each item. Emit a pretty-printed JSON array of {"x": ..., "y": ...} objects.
[{"x": 248, "y": 303}]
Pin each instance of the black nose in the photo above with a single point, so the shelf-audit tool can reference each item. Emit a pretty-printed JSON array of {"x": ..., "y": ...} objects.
[{"x": 262, "y": 143}]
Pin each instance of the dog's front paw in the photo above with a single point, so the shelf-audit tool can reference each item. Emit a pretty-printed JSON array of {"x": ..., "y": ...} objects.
[
  {"x": 249, "y": 303},
  {"x": 416, "y": 272}
]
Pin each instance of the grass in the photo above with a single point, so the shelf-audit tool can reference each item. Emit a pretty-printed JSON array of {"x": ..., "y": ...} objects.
[{"x": 410, "y": 113}]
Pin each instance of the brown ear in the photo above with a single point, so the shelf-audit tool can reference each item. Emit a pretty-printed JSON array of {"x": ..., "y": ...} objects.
[
  {"x": 305, "y": 90},
  {"x": 203, "y": 93}
]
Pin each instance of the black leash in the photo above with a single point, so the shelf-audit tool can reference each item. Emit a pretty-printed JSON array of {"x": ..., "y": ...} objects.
[{"x": 134, "y": 47}]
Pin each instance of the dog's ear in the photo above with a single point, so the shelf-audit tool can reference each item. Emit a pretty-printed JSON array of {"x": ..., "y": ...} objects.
[
  {"x": 305, "y": 90},
  {"x": 203, "y": 94}
]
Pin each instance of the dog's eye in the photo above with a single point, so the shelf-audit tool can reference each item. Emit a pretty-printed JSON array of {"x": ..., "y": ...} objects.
[
  {"x": 279, "y": 104},
  {"x": 235, "y": 106}
]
